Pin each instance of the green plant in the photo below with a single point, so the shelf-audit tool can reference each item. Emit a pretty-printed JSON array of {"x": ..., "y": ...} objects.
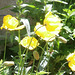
[{"x": 44, "y": 46}]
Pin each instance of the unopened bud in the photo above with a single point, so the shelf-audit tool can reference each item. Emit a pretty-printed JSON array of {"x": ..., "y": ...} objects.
[
  {"x": 9, "y": 63},
  {"x": 62, "y": 39},
  {"x": 36, "y": 55}
]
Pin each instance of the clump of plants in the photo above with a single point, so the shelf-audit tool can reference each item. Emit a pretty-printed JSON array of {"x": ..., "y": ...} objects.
[{"x": 41, "y": 38}]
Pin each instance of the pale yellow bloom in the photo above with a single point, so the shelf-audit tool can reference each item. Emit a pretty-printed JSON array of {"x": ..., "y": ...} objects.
[
  {"x": 51, "y": 27},
  {"x": 71, "y": 61},
  {"x": 11, "y": 23},
  {"x": 29, "y": 42},
  {"x": 42, "y": 32},
  {"x": 52, "y": 22}
]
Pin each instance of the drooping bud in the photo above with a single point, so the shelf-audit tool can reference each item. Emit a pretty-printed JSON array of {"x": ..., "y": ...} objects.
[{"x": 36, "y": 55}]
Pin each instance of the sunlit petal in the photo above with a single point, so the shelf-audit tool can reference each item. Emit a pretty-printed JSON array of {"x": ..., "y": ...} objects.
[
  {"x": 71, "y": 61},
  {"x": 42, "y": 32},
  {"x": 11, "y": 23},
  {"x": 29, "y": 42},
  {"x": 52, "y": 22}
]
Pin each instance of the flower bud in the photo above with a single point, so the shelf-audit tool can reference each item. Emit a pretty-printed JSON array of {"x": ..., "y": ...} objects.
[
  {"x": 36, "y": 55},
  {"x": 9, "y": 63}
]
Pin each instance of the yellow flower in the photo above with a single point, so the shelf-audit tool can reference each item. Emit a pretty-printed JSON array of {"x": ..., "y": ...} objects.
[
  {"x": 11, "y": 23},
  {"x": 29, "y": 42},
  {"x": 42, "y": 32},
  {"x": 50, "y": 29},
  {"x": 52, "y": 22},
  {"x": 71, "y": 61}
]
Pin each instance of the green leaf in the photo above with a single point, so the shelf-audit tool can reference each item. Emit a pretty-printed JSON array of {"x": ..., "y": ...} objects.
[
  {"x": 27, "y": 24},
  {"x": 32, "y": 74},
  {"x": 42, "y": 72},
  {"x": 5, "y": 7},
  {"x": 38, "y": 0},
  {"x": 59, "y": 58},
  {"x": 14, "y": 49},
  {"x": 60, "y": 73},
  {"x": 15, "y": 9},
  {"x": 1, "y": 61},
  {"x": 62, "y": 2},
  {"x": 69, "y": 12},
  {"x": 59, "y": 1},
  {"x": 20, "y": 1},
  {"x": 23, "y": 5},
  {"x": 67, "y": 29},
  {"x": 32, "y": 6},
  {"x": 66, "y": 10},
  {"x": 62, "y": 14},
  {"x": 72, "y": 12}
]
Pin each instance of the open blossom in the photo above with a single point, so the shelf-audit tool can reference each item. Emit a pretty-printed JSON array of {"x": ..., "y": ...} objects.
[
  {"x": 52, "y": 22},
  {"x": 42, "y": 32},
  {"x": 71, "y": 61},
  {"x": 29, "y": 42},
  {"x": 49, "y": 29},
  {"x": 11, "y": 23}
]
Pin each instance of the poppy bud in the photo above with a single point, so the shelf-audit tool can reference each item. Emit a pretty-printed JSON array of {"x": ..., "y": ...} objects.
[{"x": 36, "y": 55}]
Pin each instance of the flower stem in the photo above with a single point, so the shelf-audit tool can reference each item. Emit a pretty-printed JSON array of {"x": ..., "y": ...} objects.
[
  {"x": 19, "y": 44},
  {"x": 5, "y": 46},
  {"x": 62, "y": 67},
  {"x": 19, "y": 52}
]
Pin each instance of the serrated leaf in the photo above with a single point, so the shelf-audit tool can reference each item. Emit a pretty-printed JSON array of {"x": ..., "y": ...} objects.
[
  {"x": 15, "y": 49},
  {"x": 59, "y": 58}
]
